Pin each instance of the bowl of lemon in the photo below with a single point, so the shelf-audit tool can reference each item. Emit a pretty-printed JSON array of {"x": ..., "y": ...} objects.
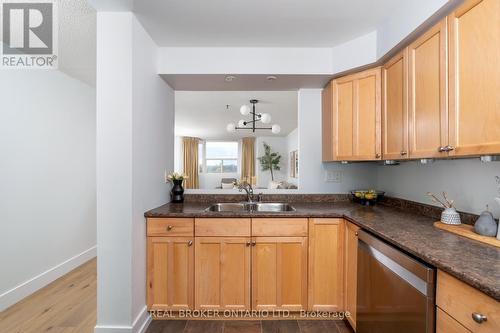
[{"x": 367, "y": 197}]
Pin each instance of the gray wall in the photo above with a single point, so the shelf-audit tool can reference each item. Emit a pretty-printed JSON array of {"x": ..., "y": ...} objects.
[{"x": 469, "y": 182}]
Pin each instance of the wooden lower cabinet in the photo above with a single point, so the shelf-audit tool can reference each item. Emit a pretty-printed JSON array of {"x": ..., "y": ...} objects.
[
  {"x": 170, "y": 273},
  {"x": 222, "y": 270},
  {"x": 465, "y": 304},
  {"x": 446, "y": 324},
  {"x": 351, "y": 272},
  {"x": 279, "y": 273},
  {"x": 326, "y": 264}
]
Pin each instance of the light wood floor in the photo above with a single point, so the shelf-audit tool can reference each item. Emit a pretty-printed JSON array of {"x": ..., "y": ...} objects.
[{"x": 67, "y": 305}]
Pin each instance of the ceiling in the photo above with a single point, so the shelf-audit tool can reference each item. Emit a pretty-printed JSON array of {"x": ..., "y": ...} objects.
[
  {"x": 203, "y": 114},
  {"x": 261, "y": 23},
  {"x": 256, "y": 82}
]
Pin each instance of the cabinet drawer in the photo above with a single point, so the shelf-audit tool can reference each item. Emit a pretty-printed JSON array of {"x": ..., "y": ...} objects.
[
  {"x": 460, "y": 301},
  {"x": 220, "y": 227},
  {"x": 279, "y": 227},
  {"x": 170, "y": 227}
]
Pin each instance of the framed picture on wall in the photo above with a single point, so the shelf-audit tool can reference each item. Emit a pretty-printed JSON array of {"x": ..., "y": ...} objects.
[{"x": 294, "y": 164}]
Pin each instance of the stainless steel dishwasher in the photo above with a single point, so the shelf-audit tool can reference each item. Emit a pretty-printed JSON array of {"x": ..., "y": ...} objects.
[{"x": 396, "y": 293}]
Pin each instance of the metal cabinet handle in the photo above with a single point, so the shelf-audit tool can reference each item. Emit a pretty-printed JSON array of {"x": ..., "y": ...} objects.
[
  {"x": 442, "y": 149},
  {"x": 356, "y": 233},
  {"x": 190, "y": 243},
  {"x": 403, "y": 153},
  {"x": 378, "y": 155},
  {"x": 249, "y": 243},
  {"x": 169, "y": 228},
  {"x": 254, "y": 243},
  {"x": 479, "y": 318},
  {"x": 449, "y": 148}
]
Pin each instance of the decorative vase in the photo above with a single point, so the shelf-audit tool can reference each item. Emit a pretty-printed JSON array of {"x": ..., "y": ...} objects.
[
  {"x": 486, "y": 225},
  {"x": 450, "y": 216},
  {"x": 177, "y": 192}
]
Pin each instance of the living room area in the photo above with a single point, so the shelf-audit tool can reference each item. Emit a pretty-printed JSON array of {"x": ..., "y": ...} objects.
[{"x": 223, "y": 138}]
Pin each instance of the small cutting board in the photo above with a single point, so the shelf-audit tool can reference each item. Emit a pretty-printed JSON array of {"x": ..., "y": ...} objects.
[{"x": 466, "y": 230}]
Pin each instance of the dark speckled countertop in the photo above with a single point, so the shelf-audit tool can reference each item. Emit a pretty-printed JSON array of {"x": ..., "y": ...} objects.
[{"x": 474, "y": 263}]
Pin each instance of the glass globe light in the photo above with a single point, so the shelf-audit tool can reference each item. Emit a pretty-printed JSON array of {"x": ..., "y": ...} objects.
[
  {"x": 276, "y": 129},
  {"x": 231, "y": 127},
  {"x": 265, "y": 118},
  {"x": 245, "y": 110},
  {"x": 241, "y": 123}
]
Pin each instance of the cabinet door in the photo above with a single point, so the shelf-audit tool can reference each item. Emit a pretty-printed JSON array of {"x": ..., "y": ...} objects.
[
  {"x": 170, "y": 273},
  {"x": 367, "y": 116},
  {"x": 357, "y": 116},
  {"x": 343, "y": 113},
  {"x": 395, "y": 107},
  {"x": 428, "y": 123},
  {"x": 474, "y": 72},
  {"x": 351, "y": 268},
  {"x": 222, "y": 268},
  {"x": 327, "y": 126},
  {"x": 279, "y": 273},
  {"x": 326, "y": 265}
]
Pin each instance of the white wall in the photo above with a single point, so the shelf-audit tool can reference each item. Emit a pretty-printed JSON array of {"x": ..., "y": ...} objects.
[
  {"x": 244, "y": 60},
  {"x": 135, "y": 141},
  {"x": 311, "y": 169},
  {"x": 47, "y": 177},
  {"x": 469, "y": 182},
  {"x": 152, "y": 150}
]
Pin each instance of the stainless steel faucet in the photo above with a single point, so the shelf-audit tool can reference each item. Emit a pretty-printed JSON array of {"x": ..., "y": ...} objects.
[{"x": 248, "y": 189}]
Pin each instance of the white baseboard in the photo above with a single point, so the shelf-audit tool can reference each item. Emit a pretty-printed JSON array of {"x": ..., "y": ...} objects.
[
  {"x": 14, "y": 295},
  {"x": 139, "y": 325}
]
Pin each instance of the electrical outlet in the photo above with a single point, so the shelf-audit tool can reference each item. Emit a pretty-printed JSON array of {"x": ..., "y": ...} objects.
[{"x": 333, "y": 176}]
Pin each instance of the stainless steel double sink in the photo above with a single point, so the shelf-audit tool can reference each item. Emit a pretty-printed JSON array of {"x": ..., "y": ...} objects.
[{"x": 251, "y": 207}]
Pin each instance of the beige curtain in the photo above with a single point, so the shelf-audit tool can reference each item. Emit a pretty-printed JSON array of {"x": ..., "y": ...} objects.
[
  {"x": 248, "y": 158},
  {"x": 190, "y": 148}
]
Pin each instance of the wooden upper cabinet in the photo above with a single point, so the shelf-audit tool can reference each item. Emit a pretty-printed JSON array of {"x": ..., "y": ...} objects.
[
  {"x": 395, "y": 107},
  {"x": 279, "y": 273},
  {"x": 222, "y": 269},
  {"x": 351, "y": 272},
  {"x": 474, "y": 74},
  {"x": 170, "y": 273},
  {"x": 326, "y": 264},
  {"x": 327, "y": 146},
  {"x": 428, "y": 110},
  {"x": 357, "y": 116}
]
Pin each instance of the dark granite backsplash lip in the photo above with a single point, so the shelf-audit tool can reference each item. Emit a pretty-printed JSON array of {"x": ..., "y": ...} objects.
[{"x": 399, "y": 223}]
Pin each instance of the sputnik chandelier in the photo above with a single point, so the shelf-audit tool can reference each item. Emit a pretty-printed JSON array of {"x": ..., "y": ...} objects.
[{"x": 265, "y": 118}]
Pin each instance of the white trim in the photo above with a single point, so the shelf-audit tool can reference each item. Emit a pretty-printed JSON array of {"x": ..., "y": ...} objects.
[
  {"x": 14, "y": 295},
  {"x": 140, "y": 324},
  {"x": 142, "y": 321}
]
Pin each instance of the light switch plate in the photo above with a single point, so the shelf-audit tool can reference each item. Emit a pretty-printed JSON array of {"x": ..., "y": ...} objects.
[{"x": 333, "y": 176}]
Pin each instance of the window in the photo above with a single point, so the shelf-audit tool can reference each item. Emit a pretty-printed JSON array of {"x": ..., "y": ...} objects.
[{"x": 221, "y": 156}]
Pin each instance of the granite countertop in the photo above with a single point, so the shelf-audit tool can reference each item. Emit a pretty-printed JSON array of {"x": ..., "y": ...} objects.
[{"x": 473, "y": 262}]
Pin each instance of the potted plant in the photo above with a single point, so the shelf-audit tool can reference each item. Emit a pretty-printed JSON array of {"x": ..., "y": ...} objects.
[
  {"x": 177, "y": 191},
  {"x": 270, "y": 160}
]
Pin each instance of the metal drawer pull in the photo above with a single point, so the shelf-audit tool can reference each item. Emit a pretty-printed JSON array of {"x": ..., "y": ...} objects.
[
  {"x": 190, "y": 243},
  {"x": 479, "y": 318},
  {"x": 403, "y": 153},
  {"x": 442, "y": 149},
  {"x": 449, "y": 148},
  {"x": 169, "y": 228}
]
